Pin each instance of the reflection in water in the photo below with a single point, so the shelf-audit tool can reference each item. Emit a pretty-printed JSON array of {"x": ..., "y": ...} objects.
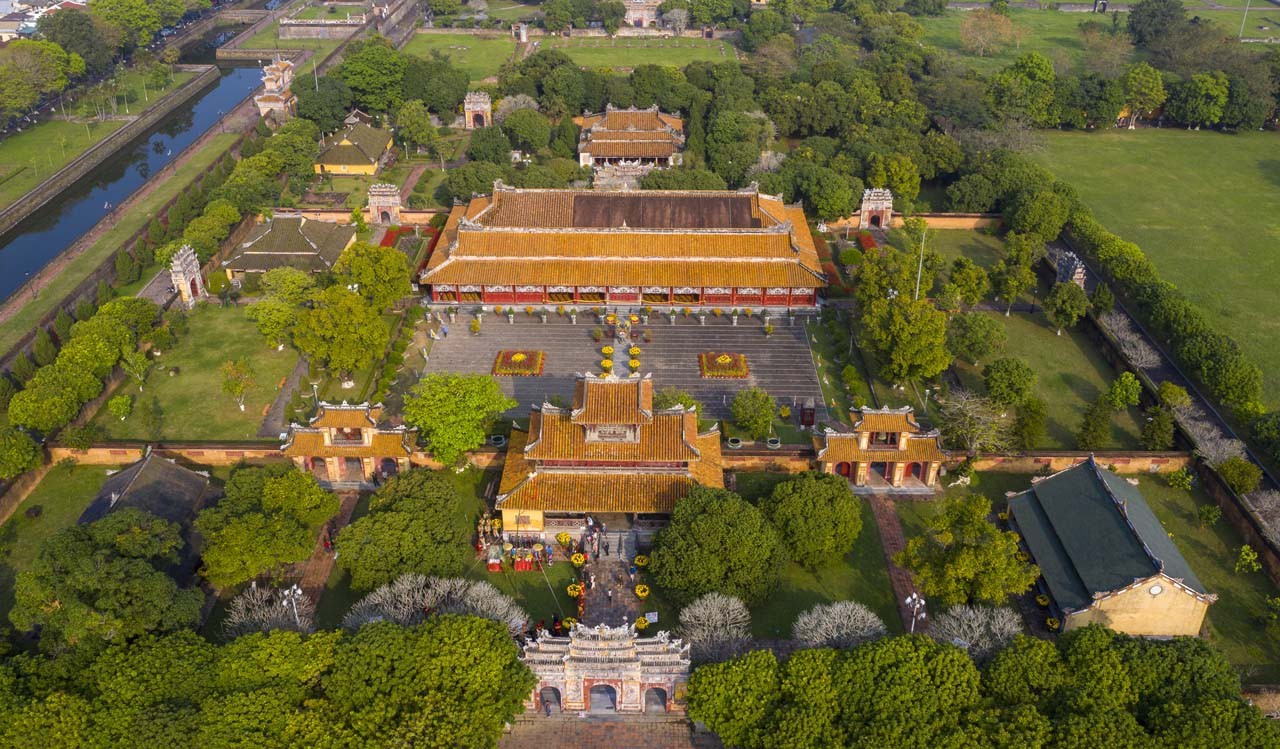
[{"x": 43, "y": 236}]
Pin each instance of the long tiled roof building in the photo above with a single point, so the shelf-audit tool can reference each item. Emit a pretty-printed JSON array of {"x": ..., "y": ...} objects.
[
  {"x": 290, "y": 241},
  {"x": 685, "y": 248},
  {"x": 612, "y": 452},
  {"x": 633, "y": 135}
]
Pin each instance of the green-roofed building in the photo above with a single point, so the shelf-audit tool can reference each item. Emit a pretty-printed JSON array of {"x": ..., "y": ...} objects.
[
  {"x": 360, "y": 149},
  {"x": 1104, "y": 557},
  {"x": 290, "y": 241}
]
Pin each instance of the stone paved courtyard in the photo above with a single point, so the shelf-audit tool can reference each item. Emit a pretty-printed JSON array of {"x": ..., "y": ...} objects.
[{"x": 782, "y": 364}]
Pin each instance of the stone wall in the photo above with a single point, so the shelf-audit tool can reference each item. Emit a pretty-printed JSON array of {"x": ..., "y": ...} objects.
[
  {"x": 223, "y": 454},
  {"x": 969, "y": 221},
  {"x": 319, "y": 29},
  {"x": 1054, "y": 461},
  {"x": 1247, "y": 524},
  {"x": 105, "y": 148}
]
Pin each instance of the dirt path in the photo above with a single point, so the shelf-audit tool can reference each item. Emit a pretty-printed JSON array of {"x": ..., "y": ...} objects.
[
  {"x": 893, "y": 540},
  {"x": 316, "y": 571},
  {"x": 239, "y": 119},
  {"x": 273, "y": 423},
  {"x": 410, "y": 182}
]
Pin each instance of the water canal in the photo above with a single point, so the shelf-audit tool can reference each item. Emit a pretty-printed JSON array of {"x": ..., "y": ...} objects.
[{"x": 44, "y": 235}]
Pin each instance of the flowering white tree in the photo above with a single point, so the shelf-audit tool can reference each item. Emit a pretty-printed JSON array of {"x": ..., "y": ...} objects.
[
  {"x": 1140, "y": 353},
  {"x": 410, "y": 599},
  {"x": 513, "y": 103},
  {"x": 265, "y": 609},
  {"x": 841, "y": 624},
  {"x": 982, "y": 630},
  {"x": 716, "y": 626}
]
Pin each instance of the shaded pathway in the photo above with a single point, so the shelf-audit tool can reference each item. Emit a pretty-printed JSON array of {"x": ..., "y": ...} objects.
[
  {"x": 316, "y": 570},
  {"x": 273, "y": 424},
  {"x": 893, "y": 540}
]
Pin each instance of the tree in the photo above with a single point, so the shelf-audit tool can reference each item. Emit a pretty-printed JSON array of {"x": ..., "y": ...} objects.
[
  {"x": 972, "y": 421},
  {"x": 410, "y": 599},
  {"x": 289, "y": 285},
  {"x": 753, "y": 410},
  {"x": 275, "y": 319},
  {"x": 1125, "y": 391},
  {"x": 817, "y": 517},
  {"x": 379, "y": 274},
  {"x": 374, "y": 70},
  {"x": 909, "y": 338},
  {"x": 18, "y": 453},
  {"x": 1029, "y": 424},
  {"x": 717, "y": 542},
  {"x": 1040, "y": 213},
  {"x": 266, "y": 518},
  {"x": 670, "y": 397},
  {"x": 416, "y": 523},
  {"x": 964, "y": 558},
  {"x": 1094, "y": 426},
  {"x": 1102, "y": 301},
  {"x": 677, "y": 19},
  {"x": 326, "y": 103},
  {"x": 489, "y": 144},
  {"x": 974, "y": 336},
  {"x": 80, "y": 33},
  {"x": 103, "y": 581},
  {"x": 1012, "y": 280},
  {"x": 984, "y": 31},
  {"x": 734, "y": 142},
  {"x": 1241, "y": 474},
  {"x": 968, "y": 281},
  {"x": 841, "y": 624},
  {"x": 1065, "y": 305},
  {"x": 1199, "y": 100},
  {"x": 120, "y": 406},
  {"x": 1009, "y": 381},
  {"x": 136, "y": 364},
  {"x": 528, "y": 129},
  {"x": 475, "y": 178},
  {"x": 1247, "y": 560},
  {"x": 1143, "y": 91},
  {"x": 342, "y": 331},
  {"x": 237, "y": 379},
  {"x": 716, "y": 627},
  {"x": 44, "y": 349},
  {"x": 981, "y": 630},
  {"x": 268, "y": 609},
  {"x": 413, "y": 123},
  {"x": 454, "y": 412},
  {"x": 1024, "y": 91},
  {"x": 436, "y": 83},
  {"x": 1151, "y": 20}
]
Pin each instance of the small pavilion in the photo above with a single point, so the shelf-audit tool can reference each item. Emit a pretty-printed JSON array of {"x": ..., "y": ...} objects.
[
  {"x": 343, "y": 444},
  {"x": 886, "y": 451},
  {"x": 606, "y": 669}
]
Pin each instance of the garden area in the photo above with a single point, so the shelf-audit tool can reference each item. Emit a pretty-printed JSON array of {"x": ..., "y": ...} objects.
[
  {"x": 1180, "y": 219},
  {"x": 186, "y": 383},
  {"x": 629, "y": 52},
  {"x": 479, "y": 56}
]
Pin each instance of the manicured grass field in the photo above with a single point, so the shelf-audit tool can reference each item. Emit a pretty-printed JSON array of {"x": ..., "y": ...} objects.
[
  {"x": 861, "y": 576},
  {"x": 630, "y": 53},
  {"x": 194, "y": 406},
  {"x": 1204, "y": 206},
  {"x": 268, "y": 38},
  {"x": 1212, "y": 552},
  {"x": 1050, "y": 33},
  {"x": 111, "y": 241},
  {"x": 322, "y": 12},
  {"x": 62, "y": 495},
  {"x": 479, "y": 56},
  {"x": 509, "y": 11}
]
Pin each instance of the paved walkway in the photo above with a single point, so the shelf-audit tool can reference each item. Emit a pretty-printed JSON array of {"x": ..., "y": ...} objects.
[
  {"x": 782, "y": 363},
  {"x": 273, "y": 424},
  {"x": 410, "y": 182},
  {"x": 317, "y": 568},
  {"x": 893, "y": 540},
  {"x": 611, "y": 575}
]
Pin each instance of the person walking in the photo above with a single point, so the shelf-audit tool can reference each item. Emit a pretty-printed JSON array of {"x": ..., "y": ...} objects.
[{"x": 606, "y": 547}]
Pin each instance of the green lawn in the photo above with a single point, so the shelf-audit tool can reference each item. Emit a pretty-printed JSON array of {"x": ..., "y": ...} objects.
[
  {"x": 508, "y": 11},
  {"x": 268, "y": 38},
  {"x": 1212, "y": 552},
  {"x": 1072, "y": 374},
  {"x": 194, "y": 406},
  {"x": 1050, "y": 33},
  {"x": 1211, "y": 230},
  {"x": 80, "y": 267},
  {"x": 323, "y": 12},
  {"x": 479, "y": 56},
  {"x": 32, "y": 155},
  {"x": 861, "y": 576},
  {"x": 62, "y": 496},
  {"x": 627, "y": 52}
]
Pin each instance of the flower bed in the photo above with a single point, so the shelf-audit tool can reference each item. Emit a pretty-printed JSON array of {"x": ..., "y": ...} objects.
[
  {"x": 519, "y": 363},
  {"x": 722, "y": 366}
]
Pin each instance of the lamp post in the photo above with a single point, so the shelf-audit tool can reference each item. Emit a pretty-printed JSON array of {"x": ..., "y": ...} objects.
[
  {"x": 289, "y": 599},
  {"x": 915, "y": 603}
]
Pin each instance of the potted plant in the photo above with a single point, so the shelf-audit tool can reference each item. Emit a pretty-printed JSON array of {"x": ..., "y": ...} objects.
[
  {"x": 574, "y": 590},
  {"x": 597, "y": 335},
  {"x": 607, "y": 351},
  {"x": 568, "y": 623},
  {"x": 578, "y": 559},
  {"x": 635, "y": 364},
  {"x": 1052, "y": 623},
  {"x": 563, "y": 538},
  {"x": 474, "y": 325},
  {"x": 641, "y": 561},
  {"x": 768, "y": 329},
  {"x": 642, "y": 591},
  {"x": 1043, "y": 600},
  {"x": 642, "y": 624},
  {"x": 606, "y": 365}
]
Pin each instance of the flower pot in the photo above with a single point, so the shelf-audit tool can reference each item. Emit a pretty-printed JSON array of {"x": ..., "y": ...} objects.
[
  {"x": 734, "y": 443},
  {"x": 774, "y": 443}
]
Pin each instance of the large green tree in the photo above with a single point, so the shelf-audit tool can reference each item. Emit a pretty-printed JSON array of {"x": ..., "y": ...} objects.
[
  {"x": 817, "y": 517},
  {"x": 379, "y": 274},
  {"x": 374, "y": 71},
  {"x": 342, "y": 331},
  {"x": 105, "y": 581},
  {"x": 717, "y": 542},
  {"x": 416, "y": 523},
  {"x": 753, "y": 410},
  {"x": 1065, "y": 305},
  {"x": 18, "y": 452},
  {"x": 454, "y": 412},
  {"x": 974, "y": 336},
  {"x": 964, "y": 558}
]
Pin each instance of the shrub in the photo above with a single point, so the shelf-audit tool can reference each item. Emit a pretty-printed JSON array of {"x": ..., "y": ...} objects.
[{"x": 1241, "y": 475}]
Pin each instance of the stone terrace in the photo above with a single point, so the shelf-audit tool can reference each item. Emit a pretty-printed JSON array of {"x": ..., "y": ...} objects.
[{"x": 782, "y": 364}]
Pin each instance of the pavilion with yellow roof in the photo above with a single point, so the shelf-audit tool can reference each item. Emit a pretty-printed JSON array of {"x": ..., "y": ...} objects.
[
  {"x": 611, "y": 455},
  {"x": 887, "y": 450}
]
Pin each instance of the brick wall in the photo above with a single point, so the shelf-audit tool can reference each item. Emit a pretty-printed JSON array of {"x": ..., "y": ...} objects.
[{"x": 1054, "y": 461}]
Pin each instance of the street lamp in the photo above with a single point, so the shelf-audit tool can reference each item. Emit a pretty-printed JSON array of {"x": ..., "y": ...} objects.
[
  {"x": 915, "y": 603},
  {"x": 289, "y": 599}
]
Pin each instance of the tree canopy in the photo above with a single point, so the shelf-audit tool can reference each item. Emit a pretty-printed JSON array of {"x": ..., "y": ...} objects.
[
  {"x": 454, "y": 412},
  {"x": 816, "y": 516}
]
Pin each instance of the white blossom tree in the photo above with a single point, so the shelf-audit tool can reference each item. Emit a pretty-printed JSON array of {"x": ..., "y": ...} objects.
[
  {"x": 265, "y": 609},
  {"x": 1133, "y": 344},
  {"x": 677, "y": 19},
  {"x": 716, "y": 626},
  {"x": 410, "y": 599},
  {"x": 981, "y": 630},
  {"x": 513, "y": 103},
  {"x": 841, "y": 624}
]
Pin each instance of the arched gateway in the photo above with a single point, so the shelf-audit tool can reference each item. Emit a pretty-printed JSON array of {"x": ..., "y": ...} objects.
[{"x": 608, "y": 669}]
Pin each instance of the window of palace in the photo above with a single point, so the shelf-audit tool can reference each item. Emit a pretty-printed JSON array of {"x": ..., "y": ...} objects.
[{"x": 884, "y": 439}]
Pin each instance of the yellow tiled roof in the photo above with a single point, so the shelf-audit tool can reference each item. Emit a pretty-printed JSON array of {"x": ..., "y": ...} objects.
[
  {"x": 599, "y": 492},
  {"x": 843, "y": 448},
  {"x": 332, "y": 416},
  {"x": 665, "y": 440},
  {"x": 709, "y": 471},
  {"x": 612, "y": 400},
  {"x": 308, "y": 443},
  {"x": 884, "y": 420},
  {"x": 614, "y": 244},
  {"x": 605, "y": 272},
  {"x": 631, "y": 148}
]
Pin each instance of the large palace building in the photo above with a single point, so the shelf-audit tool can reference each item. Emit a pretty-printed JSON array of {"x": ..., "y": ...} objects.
[
  {"x": 611, "y": 455},
  {"x": 685, "y": 248}
]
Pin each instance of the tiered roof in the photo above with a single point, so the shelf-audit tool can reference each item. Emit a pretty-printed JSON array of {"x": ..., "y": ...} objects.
[
  {"x": 646, "y": 238},
  {"x": 608, "y": 476},
  {"x": 631, "y": 134},
  {"x": 1092, "y": 534},
  {"x": 292, "y": 241},
  {"x": 358, "y": 144},
  {"x": 604, "y": 650},
  {"x": 836, "y": 447},
  {"x": 384, "y": 442}
]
